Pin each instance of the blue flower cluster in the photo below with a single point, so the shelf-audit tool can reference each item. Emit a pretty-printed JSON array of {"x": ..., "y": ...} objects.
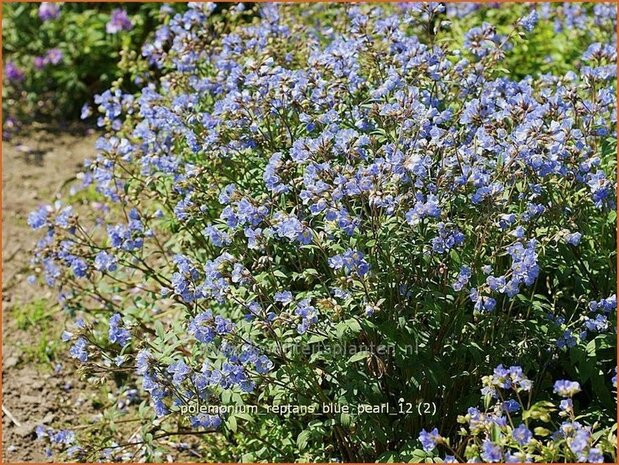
[
  {"x": 505, "y": 432},
  {"x": 600, "y": 318},
  {"x": 58, "y": 439}
]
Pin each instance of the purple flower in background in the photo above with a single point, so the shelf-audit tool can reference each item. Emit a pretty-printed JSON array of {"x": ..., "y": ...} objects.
[
  {"x": 529, "y": 21},
  {"x": 53, "y": 56},
  {"x": 49, "y": 11},
  {"x": 39, "y": 62},
  {"x": 118, "y": 22},
  {"x": 13, "y": 73}
]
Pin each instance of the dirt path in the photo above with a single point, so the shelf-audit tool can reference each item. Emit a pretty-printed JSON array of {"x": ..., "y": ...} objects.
[{"x": 34, "y": 168}]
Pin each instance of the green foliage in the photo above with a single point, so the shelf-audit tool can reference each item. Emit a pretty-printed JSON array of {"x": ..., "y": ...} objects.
[{"x": 37, "y": 313}]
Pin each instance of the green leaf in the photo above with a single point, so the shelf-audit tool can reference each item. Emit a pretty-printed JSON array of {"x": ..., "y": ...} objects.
[
  {"x": 232, "y": 426},
  {"x": 364, "y": 354},
  {"x": 302, "y": 439}
]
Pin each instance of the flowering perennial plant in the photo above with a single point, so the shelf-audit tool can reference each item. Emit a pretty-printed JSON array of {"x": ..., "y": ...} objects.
[{"x": 289, "y": 180}]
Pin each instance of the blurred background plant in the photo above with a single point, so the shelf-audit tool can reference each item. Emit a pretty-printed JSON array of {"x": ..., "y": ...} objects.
[
  {"x": 562, "y": 34},
  {"x": 58, "y": 55}
]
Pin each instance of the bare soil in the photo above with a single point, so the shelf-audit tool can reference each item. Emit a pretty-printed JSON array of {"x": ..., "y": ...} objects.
[{"x": 35, "y": 168}]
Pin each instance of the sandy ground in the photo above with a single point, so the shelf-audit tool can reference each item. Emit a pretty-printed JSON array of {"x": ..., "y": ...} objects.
[{"x": 35, "y": 166}]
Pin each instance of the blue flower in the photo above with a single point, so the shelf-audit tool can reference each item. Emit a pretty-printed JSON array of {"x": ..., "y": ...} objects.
[
  {"x": 64, "y": 217},
  {"x": 522, "y": 435},
  {"x": 201, "y": 327},
  {"x": 566, "y": 405},
  {"x": 38, "y": 218},
  {"x": 480, "y": 41},
  {"x": 117, "y": 334},
  {"x": 463, "y": 278},
  {"x": 179, "y": 372},
  {"x": 529, "y": 21},
  {"x": 222, "y": 325},
  {"x": 595, "y": 455},
  {"x": 41, "y": 431},
  {"x": 566, "y": 388},
  {"x": 79, "y": 267},
  {"x": 580, "y": 442},
  {"x": 511, "y": 406},
  {"x": 290, "y": 227},
  {"x": 424, "y": 209},
  {"x": 429, "y": 439},
  {"x": 79, "y": 350},
  {"x": 308, "y": 315},
  {"x": 284, "y": 297},
  {"x": 524, "y": 264},
  {"x": 263, "y": 365},
  {"x": 105, "y": 261},
  {"x": 491, "y": 452},
  {"x": 573, "y": 238},
  {"x": 217, "y": 237},
  {"x": 86, "y": 111},
  {"x": 142, "y": 362},
  {"x": 204, "y": 420},
  {"x": 226, "y": 194},
  {"x": 351, "y": 261},
  {"x": 62, "y": 437},
  {"x": 566, "y": 340}
]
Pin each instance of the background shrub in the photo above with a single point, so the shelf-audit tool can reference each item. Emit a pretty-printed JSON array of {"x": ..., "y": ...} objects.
[{"x": 58, "y": 55}]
